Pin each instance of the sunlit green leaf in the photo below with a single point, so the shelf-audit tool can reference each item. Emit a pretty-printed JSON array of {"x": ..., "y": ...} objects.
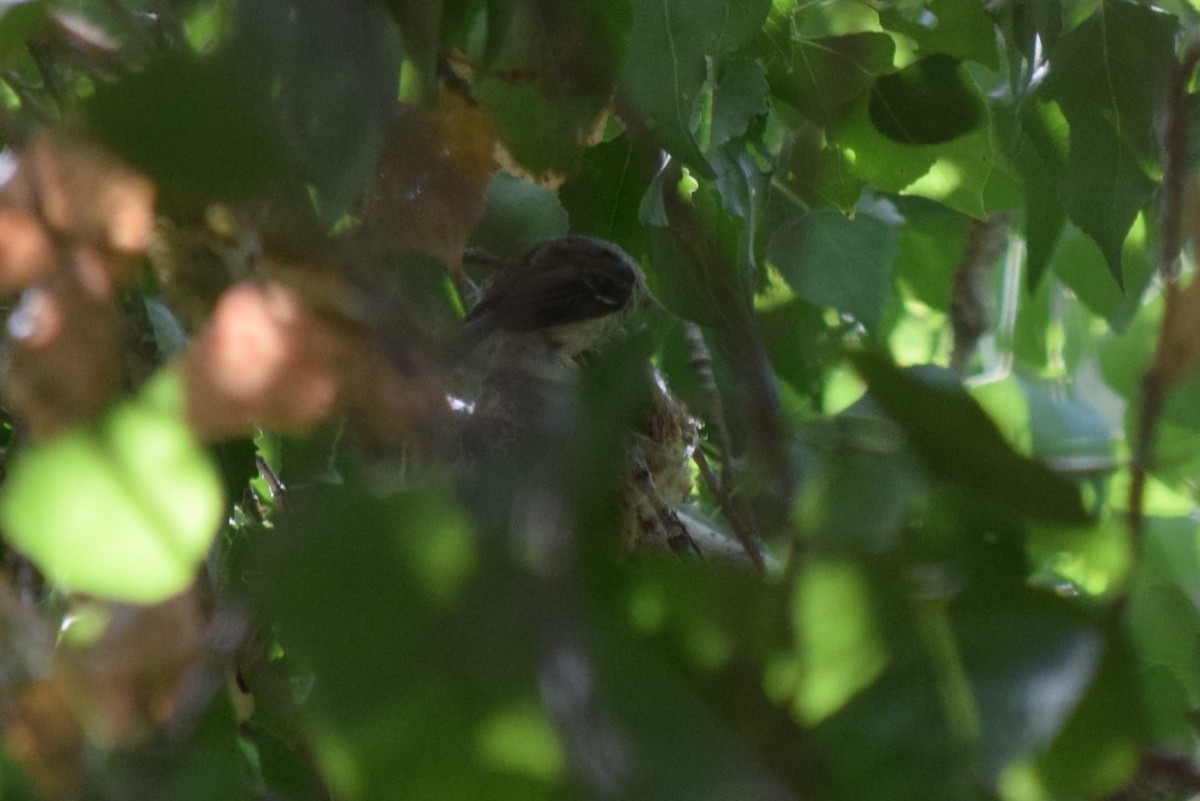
[
  {"x": 965, "y": 173},
  {"x": 126, "y": 509},
  {"x": 840, "y": 648},
  {"x": 1106, "y": 77},
  {"x": 959, "y": 28}
]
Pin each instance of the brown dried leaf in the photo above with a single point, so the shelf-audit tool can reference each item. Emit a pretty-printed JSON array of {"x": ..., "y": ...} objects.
[
  {"x": 26, "y": 253},
  {"x": 262, "y": 360},
  {"x": 126, "y": 684},
  {"x": 42, "y": 736},
  {"x": 428, "y": 192},
  {"x": 83, "y": 191},
  {"x": 65, "y": 363}
]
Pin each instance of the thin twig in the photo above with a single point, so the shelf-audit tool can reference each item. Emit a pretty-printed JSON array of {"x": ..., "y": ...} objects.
[
  {"x": 702, "y": 366},
  {"x": 742, "y": 524},
  {"x": 1156, "y": 381},
  {"x": 1175, "y": 164},
  {"x": 970, "y": 316}
]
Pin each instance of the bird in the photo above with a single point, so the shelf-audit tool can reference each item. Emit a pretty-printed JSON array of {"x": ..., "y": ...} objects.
[
  {"x": 562, "y": 297},
  {"x": 562, "y": 300}
]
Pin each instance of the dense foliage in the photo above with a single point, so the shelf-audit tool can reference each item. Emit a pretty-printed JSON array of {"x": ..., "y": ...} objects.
[{"x": 925, "y": 269}]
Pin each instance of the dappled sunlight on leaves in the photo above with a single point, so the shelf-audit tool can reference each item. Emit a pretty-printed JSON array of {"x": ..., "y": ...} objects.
[{"x": 631, "y": 399}]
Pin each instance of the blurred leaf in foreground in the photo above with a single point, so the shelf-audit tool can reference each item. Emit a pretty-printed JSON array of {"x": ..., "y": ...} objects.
[{"x": 124, "y": 510}]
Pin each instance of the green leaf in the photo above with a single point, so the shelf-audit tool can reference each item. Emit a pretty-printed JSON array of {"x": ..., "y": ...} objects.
[
  {"x": 930, "y": 101},
  {"x": 703, "y": 261},
  {"x": 1106, "y": 76},
  {"x": 13, "y": 785},
  {"x": 740, "y": 96},
  {"x": 932, "y": 242},
  {"x": 1040, "y": 158},
  {"x": 1124, "y": 358},
  {"x": 1044, "y": 216},
  {"x": 1068, "y": 432},
  {"x": 543, "y": 134},
  {"x": 1100, "y": 746},
  {"x": 741, "y": 183},
  {"x": 391, "y": 615},
  {"x": 420, "y": 24},
  {"x": 518, "y": 214},
  {"x": 840, "y": 649},
  {"x": 1079, "y": 263},
  {"x": 126, "y": 509},
  {"x": 811, "y": 174},
  {"x": 1164, "y": 627},
  {"x": 799, "y": 344},
  {"x": 603, "y": 197},
  {"x": 679, "y": 749},
  {"x": 868, "y": 452},
  {"x": 962, "y": 446},
  {"x": 1042, "y": 19},
  {"x": 332, "y": 72},
  {"x": 1029, "y": 657},
  {"x": 209, "y": 763},
  {"x": 965, "y": 173},
  {"x": 19, "y": 20},
  {"x": 959, "y": 28},
  {"x": 665, "y": 67},
  {"x": 870, "y": 750},
  {"x": 193, "y": 125},
  {"x": 822, "y": 77},
  {"x": 831, "y": 260}
]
